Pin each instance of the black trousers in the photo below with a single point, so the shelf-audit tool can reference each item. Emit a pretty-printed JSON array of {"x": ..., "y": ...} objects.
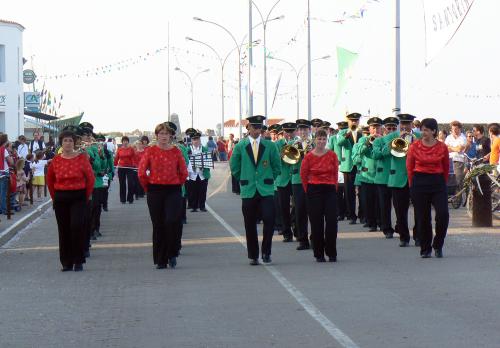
[
  {"x": 299, "y": 198},
  {"x": 165, "y": 210},
  {"x": 285, "y": 194},
  {"x": 401, "y": 202},
  {"x": 429, "y": 190},
  {"x": 250, "y": 206},
  {"x": 350, "y": 194},
  {"x": 341, "y": 206},
  {"x": 87, "y": 223},
  {"x": 197, "y": 193},
  {"x": 385, "y": 208},
  {"x": 126, "y": 179},
  {"x": 322, "y": 208},
  {"x": 235, "y": 185},
  {"x": 278, "y": 219},
  {"x": 97, "y": 203},
  {"x": 105, "y": 196},
  {"x": 68, "y": 206},
  {"x": 369, "y": 202}
]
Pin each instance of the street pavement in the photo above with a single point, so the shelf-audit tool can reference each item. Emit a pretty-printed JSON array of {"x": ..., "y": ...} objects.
[{"x": 376, "y": 295}]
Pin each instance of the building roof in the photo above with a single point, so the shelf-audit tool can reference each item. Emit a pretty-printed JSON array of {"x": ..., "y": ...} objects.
[
  {"x": 234, "y": 123},
  {"x": 11, "y": 22}
]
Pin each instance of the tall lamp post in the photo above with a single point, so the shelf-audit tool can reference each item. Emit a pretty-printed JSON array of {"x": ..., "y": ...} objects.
[
  {"x": 297, "y": 75},
  {"x": 191, "y": 81}
]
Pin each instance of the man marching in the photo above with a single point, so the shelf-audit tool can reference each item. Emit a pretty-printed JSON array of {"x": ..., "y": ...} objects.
[
  {"x": 256, "y": 163},
  {"x": 198, "y": 178}
]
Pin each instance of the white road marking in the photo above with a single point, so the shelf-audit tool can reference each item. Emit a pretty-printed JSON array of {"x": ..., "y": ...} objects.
[
  {"x": 37, "y": 210},
  {"x": 301, "y": 299}
]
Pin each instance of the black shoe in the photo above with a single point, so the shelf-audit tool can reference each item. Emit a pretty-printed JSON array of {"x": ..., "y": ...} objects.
[
  {"x": 86, "y": 254},
  {"x": 366, "y": 225},
  {"x": 93, "y": 237},
  {"x": 184, "y": 221},
  {"x": 254, "y": 262},
  {"x": 320, "y": 259},
  {"x": 161, "y": 266},
  {"x": 417, "y": 242},
  {"x": 438, "y": 253},
  {"x": 332, "y": 259},
  {"x": 203, "y": 210},
  {"x": 287, "y": 239},
  {"x": 266, "y": 259},
  {"x": 130, "y": 202},
  {"x": 303, "y": 246},
  {"x": 426, "y": 255},
  {"x": 67, "y": 268},
  {"x": 340, "y": 218},
  {"x": 280, "y": 232},
  {"x": 194, "y": 210},
  {"x": 172, "y": 262},
  {"x": 78, "y": 267},
  {"x": 123, "y": 202},
  {"x": 98, "y": 234},
  {"x": 352, "y": 222},
  {"x": 105, "y": 208},
  {"x": 373, "y": 229},
  {"x": 389, "y": 235},
  {"x": 404, "y": 244}
]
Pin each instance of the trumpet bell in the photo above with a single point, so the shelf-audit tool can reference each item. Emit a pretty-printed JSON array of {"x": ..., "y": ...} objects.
[
  {"x": 399, "y": 147},
  {"x": 290, "y": 154}
]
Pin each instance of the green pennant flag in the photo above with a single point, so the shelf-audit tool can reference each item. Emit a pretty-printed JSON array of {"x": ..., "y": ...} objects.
[{"x": 345, "y": 60}]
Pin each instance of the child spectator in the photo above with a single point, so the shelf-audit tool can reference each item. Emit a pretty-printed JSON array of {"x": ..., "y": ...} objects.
[
  {"x": 22, "y": 179},
  {"x": 38, "y": 168}
]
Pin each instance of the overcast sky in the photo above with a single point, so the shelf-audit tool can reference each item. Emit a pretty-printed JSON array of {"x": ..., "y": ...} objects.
[{"x": 67, "y": 37}]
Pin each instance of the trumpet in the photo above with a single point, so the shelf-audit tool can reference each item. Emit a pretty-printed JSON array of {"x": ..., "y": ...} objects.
[
  {"x": 399, "y": 147},
  {"x": 300, "y": 146}
]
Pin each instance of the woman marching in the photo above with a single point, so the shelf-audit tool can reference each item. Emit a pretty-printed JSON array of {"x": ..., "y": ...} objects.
[
  {"x": 124, "y": 161},
  {"x": 70, "y": 180},
  {"x": 319, "y": 173},
  {"x": 162, "y": 172},
  {"x": 428, "y": 165}
]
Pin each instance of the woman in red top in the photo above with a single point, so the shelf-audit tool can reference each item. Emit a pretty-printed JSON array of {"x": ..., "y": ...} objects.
[
  {"x": 124, "y": 161},
  {"x": 139, "y": 148},
  {"x": 70, "y": 180},
  {"x": 319, "y": 174},
  {"x": 167, "y": 173},
  {"x": 428, "y": 165}
]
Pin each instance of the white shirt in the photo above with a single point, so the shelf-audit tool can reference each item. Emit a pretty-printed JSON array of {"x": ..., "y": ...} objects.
[
  {"x": 110, "y": 146},
  {"x": 36, "y": 147},
  {"x": 5, "y": 163},
  {"x": 453, "y": 141},
  {"x": 22, "y": 150},
  {"x": 252, "y": 140},
  {"x": 39, "y": 167},
  {"x": 194, "y": 173}
]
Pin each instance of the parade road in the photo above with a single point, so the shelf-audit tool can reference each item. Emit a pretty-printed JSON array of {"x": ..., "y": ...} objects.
[{"x": 376, "y": 295}]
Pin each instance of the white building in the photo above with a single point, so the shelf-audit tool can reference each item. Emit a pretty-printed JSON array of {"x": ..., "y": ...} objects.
[{"x": 11, "y": 79}]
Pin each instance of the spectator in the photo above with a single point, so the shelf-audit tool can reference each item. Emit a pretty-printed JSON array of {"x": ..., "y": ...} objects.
[
  {"x": 111, "y": 146},
  {"x": 5, "y": 162},
  {"x": 494, "y": 131},
  {"x": 38, "y": 168},
  {"x": 37, "y": 143},
  {"x": 417, "y": 125},
  {"x": 27, "y": 171},
  {"x": 230, "y": 143},
  {"x": 470, "y": 146},
  {"x": 456, "y": 142},
  {"x": 50, "y": 142},
  {"x": 22, "y": 179},
  {"x": 442, "y": 135},
  {"x": 221, "y": 148},
  {"x": 22, "y": 147},
  {"x": 212, "y": 148},
  {"x": 483, "y": 144}
]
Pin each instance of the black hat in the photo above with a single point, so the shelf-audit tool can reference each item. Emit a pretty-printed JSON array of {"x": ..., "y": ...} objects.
[
  {"x": 301, "y": 123},
  {"x": 326, "y": 125},
  {"x": 342, "y": 124},
  {"x": 256, "y": 120},
  {"x": 289, "y": 127},
  {"x": 406, "y": 117},
  {"x": 275, "y": 128},
  {"x": 72, "y": 128},
  {"x": 172, "y": 126},
  {"x": 100, "y": 137},
  {"x": 391, "y": 120},
  {"x": 195, "y": 135},
  {"x": 354, "y": 116},
  {"x": 316, "y": 122},
  {"x": 264, "y": 128},
  {"x": 86, "y": 131},
  {"x": 190, "y": 131},
  {"x": 375, "y": 121},
  {"x": 365, "y": 129},
  {"x": 87, "y": 125}
]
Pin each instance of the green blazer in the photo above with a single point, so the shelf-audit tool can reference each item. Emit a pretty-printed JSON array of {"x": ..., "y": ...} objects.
[
  {"x": 286, "y": 169},
  {"x": 184, "y": 152},
  {"x": 367, "y": 166},
  {"x": 383, "y": 161},
  {"x": 255, "y": 176},
  {"x": 206, "y": 171},
  {"x": 345, "y": 147}
]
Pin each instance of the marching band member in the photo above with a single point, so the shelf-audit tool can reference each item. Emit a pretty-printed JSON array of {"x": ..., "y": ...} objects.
[
  {"x": 198, "y": 178},
  {"x": 124, "y": 161},
  {"x": 256, "y": 163},
  {"x": 274, "y": 131},
  {"x": 333, "y": 145},
  {"x": 319, "y": 173},
  {"x": 70, "y": 181},
  {"x": 428, "y": 165},
  {"x": 398, "y": 178},
  {"x": 162, "y": 172},
  {"x": 304, "y": 143},
  {"x": 316, "y": 123},
  {"x": 284, "y": 181},
  {"x": 346, "y": 139}
]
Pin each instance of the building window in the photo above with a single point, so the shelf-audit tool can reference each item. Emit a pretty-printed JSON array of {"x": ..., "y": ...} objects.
[{"x": 2, "y": 63}]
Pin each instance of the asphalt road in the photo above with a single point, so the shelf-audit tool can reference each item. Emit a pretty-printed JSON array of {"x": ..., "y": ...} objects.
[{"x": 377, "y": 295}]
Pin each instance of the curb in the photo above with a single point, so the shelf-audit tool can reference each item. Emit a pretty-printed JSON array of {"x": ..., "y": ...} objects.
[{"x": 12, "y": 230}]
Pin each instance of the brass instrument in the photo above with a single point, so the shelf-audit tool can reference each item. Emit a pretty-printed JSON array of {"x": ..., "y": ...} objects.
[
  {"x": 400, "y": 146},
  {"x": 290, "y": 154}
]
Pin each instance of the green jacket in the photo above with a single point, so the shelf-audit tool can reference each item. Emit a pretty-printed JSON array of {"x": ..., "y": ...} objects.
[
  {"x": 286, "y": 169},
  {"x": 206, "y": 171},
  {"x": 367, "y": 166},
  {"x": 184, "y": 151},
  {"x": 383, "y": 161},
  {"x": 345, "y": 146},
  {"x": 102, "y": 165},
  {"x": 253, "y": 176}
]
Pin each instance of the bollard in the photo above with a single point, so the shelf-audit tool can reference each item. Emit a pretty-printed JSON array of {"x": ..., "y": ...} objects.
[{"x": 481, "y": 203}]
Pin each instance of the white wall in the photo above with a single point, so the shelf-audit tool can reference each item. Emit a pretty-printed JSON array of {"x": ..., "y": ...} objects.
[{"x": 11, "y": 84}]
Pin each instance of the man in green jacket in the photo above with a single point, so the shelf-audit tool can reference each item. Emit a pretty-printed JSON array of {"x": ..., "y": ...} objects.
[
  {"x": 284, "y": 181},
  {"x": 346, "y": 139},
  {"x": 200, "y": 174},
  {"x": 256, "y": 163}
]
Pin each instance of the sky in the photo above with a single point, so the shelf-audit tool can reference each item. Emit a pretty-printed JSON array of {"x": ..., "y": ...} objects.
[{"x": 71, "y": 37}]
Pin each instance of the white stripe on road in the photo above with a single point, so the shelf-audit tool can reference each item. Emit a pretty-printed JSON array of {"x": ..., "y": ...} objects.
[
  {"x": 310, "y": 308},
  {"x": 37, "y": 210}
]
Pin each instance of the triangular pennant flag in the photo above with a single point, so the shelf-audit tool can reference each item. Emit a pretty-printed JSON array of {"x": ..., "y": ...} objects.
[{"x": 345, "y": 60}]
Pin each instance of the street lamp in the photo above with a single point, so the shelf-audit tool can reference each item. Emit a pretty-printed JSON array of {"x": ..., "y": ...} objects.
[
  {"x": 297, "y": 75},
  {"x": 191, "y": 81}
]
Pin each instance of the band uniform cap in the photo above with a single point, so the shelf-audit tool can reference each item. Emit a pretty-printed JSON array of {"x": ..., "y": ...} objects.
[
  {"x": 316, "y": 122},
  {"x": 326, "y": 125},
  {"x": 86, "y": 131},
  {"x": 375, "y": 121},
  {"x": 264, "y": 128},
  {"x": 190, "y": 131},
  {"x": 196, "y": 134},
  {"x": 172, "y": 126},
  {"x": 100, "y": 137},
  {"x": 342, "y": 124},
  {"x": 87, "y": 125},
  {"x": 391, "y": 120},
  {"x": 257, "y": 119},
  {"x": 72, "y": 128},
  {"x": 406, "y": 117},
  {"x": 275, "y": 128},
  {"x": 365, "y": 129},
  {"x": 302, "y": 123},
  {"x": 289, "y": 127},
  {"x": 354, "y": 116}
]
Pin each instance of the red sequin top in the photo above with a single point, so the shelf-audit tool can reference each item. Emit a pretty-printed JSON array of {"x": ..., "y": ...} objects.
[
  {"x": 137, "y": 158},
  {"x": 427, "y": 159},
  {"x": 125, "y": 157},
  {"x": 166, "y": 167},
  {"x": 319, "y": 169},
  {"x": 70, "y": 174}
]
